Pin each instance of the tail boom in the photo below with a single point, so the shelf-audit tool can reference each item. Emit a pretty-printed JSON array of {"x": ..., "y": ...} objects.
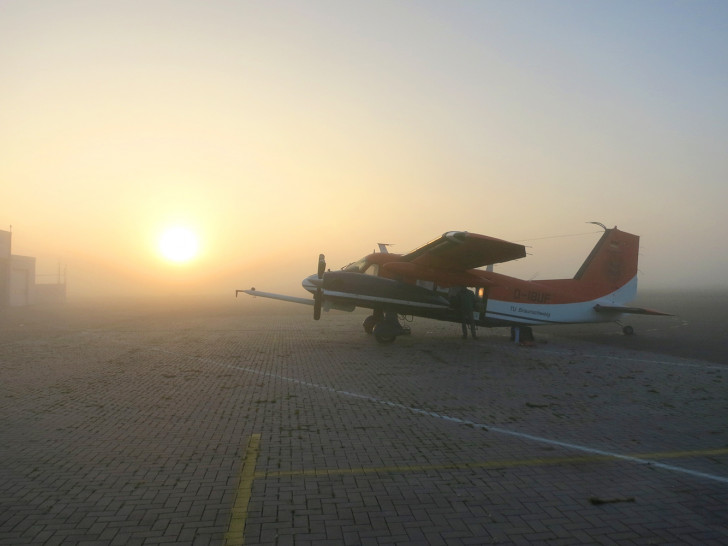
[
  {"x": 563, "y": 311},
  {"x": 599, "y": 292}
]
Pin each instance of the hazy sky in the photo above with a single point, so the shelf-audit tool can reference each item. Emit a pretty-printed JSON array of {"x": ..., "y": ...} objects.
[{"x": 278, "y": 130}]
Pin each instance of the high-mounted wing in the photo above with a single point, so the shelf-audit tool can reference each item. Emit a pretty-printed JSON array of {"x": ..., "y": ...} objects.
[{"x": 460, "y": 250}]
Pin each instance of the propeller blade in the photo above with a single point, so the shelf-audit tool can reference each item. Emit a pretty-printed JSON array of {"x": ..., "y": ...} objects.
[
  {"x": 318, "y": 296},
  {"x": 317, "y": 300},
  {"x": 321, "y": 266}
]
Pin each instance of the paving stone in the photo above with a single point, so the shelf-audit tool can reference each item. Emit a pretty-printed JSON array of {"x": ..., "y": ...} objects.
[{"x": 130, "y": 425}]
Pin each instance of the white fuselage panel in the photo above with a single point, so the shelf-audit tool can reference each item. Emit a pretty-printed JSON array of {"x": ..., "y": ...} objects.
[{"x": 561, "y": 313}]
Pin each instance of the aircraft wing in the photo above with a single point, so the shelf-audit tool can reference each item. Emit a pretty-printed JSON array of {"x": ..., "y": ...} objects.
[
  {"x": 460, "y": 250},
  {"x": 271, "y": 295},
  {"x": 628, "y": 310},
  {"x": 329, "y": 301}
]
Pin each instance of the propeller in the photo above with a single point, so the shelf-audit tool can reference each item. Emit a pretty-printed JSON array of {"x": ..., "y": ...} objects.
[
  {"x": 318, "y": 295},
  {"x": 321, "y": 266}
]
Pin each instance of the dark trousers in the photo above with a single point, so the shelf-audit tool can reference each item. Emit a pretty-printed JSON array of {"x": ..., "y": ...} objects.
[{"x": 468, "y": 320}]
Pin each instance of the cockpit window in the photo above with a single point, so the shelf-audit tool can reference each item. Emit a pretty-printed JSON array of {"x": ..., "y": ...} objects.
[
  {"x": 363, "y": 266},
  {"x": 357, "y": 267},
  {"x": 372, "y": 270}
]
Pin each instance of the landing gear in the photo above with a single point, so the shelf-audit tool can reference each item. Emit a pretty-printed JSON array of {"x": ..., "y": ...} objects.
[
  {"x": 372, "y": 320},
  {"x": 369, "y": 323},
  {"x": 627, "y": 330},
  {"x": 385, "y": 328},
  {"x": 522, "y": 334}
]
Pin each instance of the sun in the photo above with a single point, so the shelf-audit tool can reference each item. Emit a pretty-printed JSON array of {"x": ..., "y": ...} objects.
[{"x": 179, "y": 244}]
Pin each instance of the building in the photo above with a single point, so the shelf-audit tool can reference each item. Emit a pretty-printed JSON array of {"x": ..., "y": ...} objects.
[{"x": 18, "y": 285}]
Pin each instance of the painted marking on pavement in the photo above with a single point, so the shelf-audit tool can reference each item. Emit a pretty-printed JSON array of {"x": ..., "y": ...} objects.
[
  {"x": 236, "y": 530},
  {"x": 506, "y": 432},
  {"x": 521, "y": 435}
]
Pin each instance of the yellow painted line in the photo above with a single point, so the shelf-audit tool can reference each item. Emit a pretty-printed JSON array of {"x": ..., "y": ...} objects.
[
  {"x": 681, "y": 454},
  {"x": 540, "y": 461},
  {"x": 426, "y": 468},
  {"x": 236, "y": 530}
]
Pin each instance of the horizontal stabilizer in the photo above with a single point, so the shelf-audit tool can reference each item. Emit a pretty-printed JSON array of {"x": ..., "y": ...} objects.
[
  {"x": 628, "y": 310},
  {"x": 282, "y": 297}
]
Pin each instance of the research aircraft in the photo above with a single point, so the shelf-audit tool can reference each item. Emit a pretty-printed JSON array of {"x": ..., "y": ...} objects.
[{"x": 423, "y": 282}]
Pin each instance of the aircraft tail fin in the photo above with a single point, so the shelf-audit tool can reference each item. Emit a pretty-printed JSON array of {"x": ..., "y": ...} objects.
[{"x": 613, "y": 261}]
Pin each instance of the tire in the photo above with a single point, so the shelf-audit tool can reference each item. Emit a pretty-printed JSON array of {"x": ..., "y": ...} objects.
[
  {"x": 384, "y": 333},
  {"x": 369, "y": 323}
]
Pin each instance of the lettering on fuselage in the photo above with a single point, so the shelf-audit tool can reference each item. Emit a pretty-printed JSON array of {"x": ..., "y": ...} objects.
[
  {"x": 532, "y": 296},
  {"x": 535, "y": 312}
]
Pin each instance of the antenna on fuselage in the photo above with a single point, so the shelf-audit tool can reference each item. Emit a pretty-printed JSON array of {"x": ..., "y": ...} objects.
[
  {"x": 383, "y": 247},
  {"x": 599, "y": 224}
]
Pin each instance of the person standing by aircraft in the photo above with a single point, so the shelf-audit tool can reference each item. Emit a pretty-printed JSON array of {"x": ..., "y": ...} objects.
[{"x": 465, "y": 304}]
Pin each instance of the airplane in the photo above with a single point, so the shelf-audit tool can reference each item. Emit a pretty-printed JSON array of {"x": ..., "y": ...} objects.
[{"x": 423, "y": 282}]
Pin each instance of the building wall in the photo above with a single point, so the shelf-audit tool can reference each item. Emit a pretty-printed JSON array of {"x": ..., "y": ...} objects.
[
  {"x": 22, "y": 281},
  {"x": 5, "y": 239},
  {"x": 17, "y": 279},
  {"x": 50, "y": 293}
]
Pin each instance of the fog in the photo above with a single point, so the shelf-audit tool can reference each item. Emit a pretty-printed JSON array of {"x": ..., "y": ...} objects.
[{"x": 276, "y": 132}]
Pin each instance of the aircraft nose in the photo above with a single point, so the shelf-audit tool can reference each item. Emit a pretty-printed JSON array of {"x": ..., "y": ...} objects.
[{"x": 312, "y": 282}]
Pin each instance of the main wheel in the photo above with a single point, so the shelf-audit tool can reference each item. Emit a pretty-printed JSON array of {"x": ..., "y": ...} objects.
[
  {"x": 369, "y": 323},
  {"x": 384, "y": 332}
]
